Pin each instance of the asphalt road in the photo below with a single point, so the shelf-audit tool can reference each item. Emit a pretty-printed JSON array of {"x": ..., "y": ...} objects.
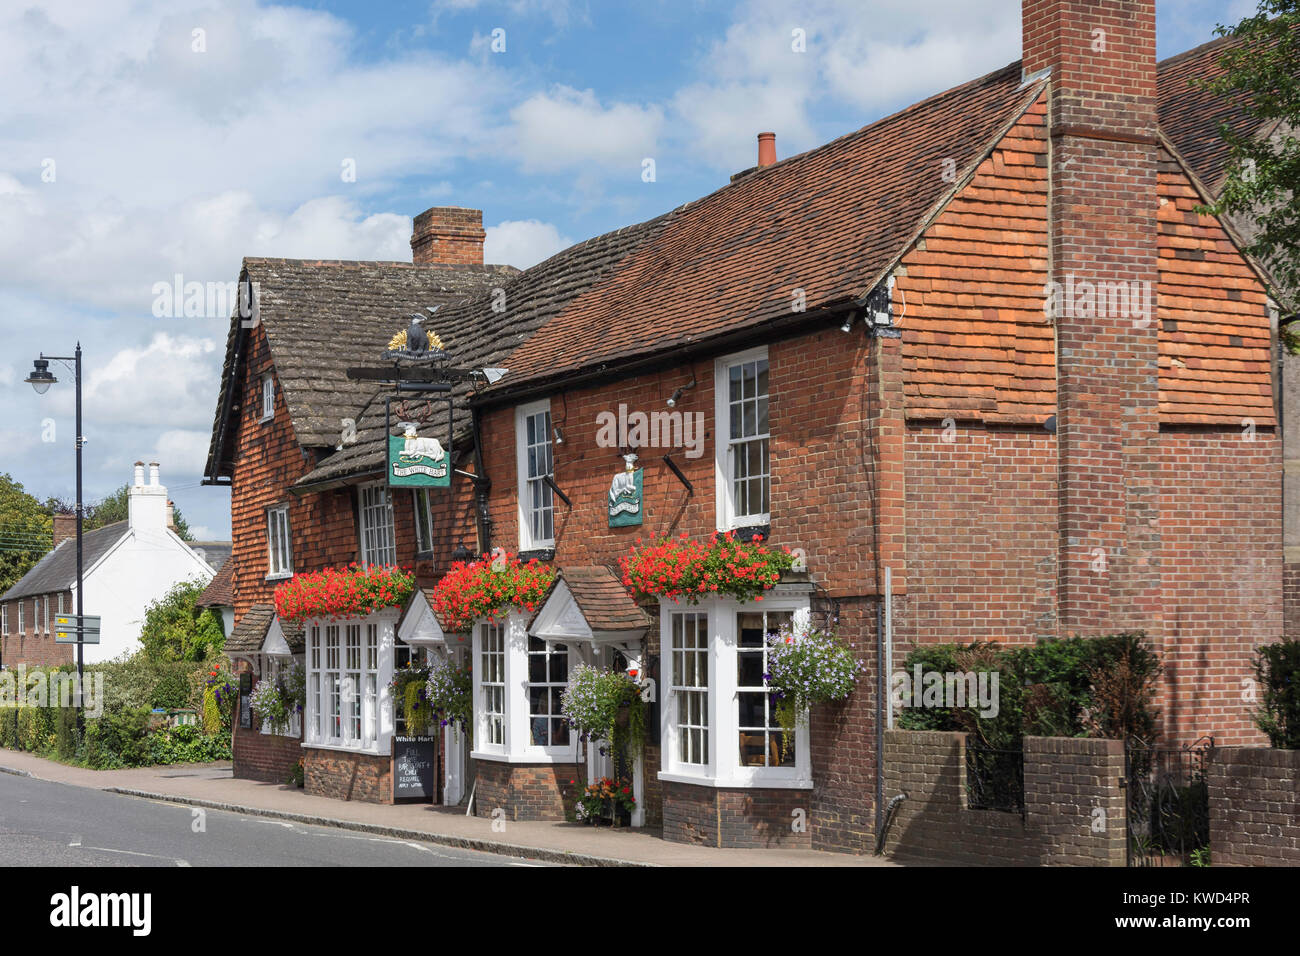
[{"x": 53, "y": 824}]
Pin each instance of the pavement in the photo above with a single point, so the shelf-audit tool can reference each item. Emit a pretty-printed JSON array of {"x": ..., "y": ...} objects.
[{"x": 213, "y": 786}]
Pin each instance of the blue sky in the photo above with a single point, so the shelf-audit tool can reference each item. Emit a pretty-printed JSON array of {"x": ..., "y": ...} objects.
[{"x": 150, "y": 138}]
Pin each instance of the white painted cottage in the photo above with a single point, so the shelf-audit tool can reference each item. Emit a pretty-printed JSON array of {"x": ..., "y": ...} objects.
[{"x": 127, "y": 565}]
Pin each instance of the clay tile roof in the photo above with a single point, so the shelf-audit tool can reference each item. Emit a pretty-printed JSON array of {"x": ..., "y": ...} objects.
[
  {"x": 1191, "y": 117},
  {"x": 250, "y": 631},
  {"x": 482, "y": 330},
  {"x": 57, "y": 571},
  {"x": 605, "y": 603},
  {"x": 828, "y": 222},
  {"x": 220, "y": 591},
  {"x": 321, "y": 317}
]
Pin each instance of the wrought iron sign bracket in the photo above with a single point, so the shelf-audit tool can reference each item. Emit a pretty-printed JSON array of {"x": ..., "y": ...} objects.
[{"x": 673, "y": 467}]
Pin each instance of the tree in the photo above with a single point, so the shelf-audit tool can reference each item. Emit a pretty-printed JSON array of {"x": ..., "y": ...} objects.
[
  {"x": 113, "y": 508},
  {"x": 26, "y": 532},
  {"x": 1262, "y": 69},
  {"x": 176, "y": 630}
]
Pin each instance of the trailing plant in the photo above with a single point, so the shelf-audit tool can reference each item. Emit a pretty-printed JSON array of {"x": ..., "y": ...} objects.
[
  {"x": 606, "y": 705},
  {"x": 1277, "y": 668},
  {"x": 605, "y": 794},
  {"x": 683, "y": 568},
  {"x": 334, "y": 593},
  {"x": 297, "y": 775},
  {"x": 483, "y": 589},
  {"x": 807, "y": 666},
  {"x": 277, "y": 700},
  {"x": 449, "y": 691}
]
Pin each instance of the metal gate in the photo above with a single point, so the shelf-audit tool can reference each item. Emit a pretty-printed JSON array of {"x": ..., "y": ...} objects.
[{"x": 1168, "y": 802}]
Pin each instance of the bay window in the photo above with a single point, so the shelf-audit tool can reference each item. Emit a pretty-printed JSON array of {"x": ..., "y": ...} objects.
[
  {"x": 349, "y": 666},
  {"x": 518, "y": 682},
  {"x": 376, "y": 513},
  {"x": 533, "y": 454},
  {"x": 719, "y": 724},
  {"x": 742, "y": 462}
]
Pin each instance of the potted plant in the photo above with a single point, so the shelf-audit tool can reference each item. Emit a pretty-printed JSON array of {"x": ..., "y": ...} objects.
[
  {"x": 684, "y": 569},
  {"x": 807, "y": 666},
  {"x": 483, "y": 589},
  {"x": 336, "y": 593},
  {"x": 606, "y": 800},
  {"x": 449, "y": 692},
  {"x": 277, "y": 700},
  {"x": 408, "y": 686},
  {"x": 606, "y": 705}
]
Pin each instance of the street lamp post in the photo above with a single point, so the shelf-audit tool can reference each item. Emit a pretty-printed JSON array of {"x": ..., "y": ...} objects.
[{"x": 41, "y": 379}]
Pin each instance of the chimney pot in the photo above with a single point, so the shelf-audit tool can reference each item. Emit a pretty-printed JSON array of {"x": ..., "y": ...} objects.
[
  {"x": 153, "y": 473},
  {"x": 448, "y": 235},
  {"x": 766, "y": 149},
  {"x": 139, "y": 474}
]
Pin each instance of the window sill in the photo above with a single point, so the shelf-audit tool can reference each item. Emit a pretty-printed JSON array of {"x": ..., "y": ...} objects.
[
  {"x": 542, "y": 553},
  {"x": 266, "y": 418},
  {"x": 279, "y": 577},
  {"x": 541, "y": 758},
  {"x": 340, "y": 748},
  {"x": 754, "y": 782}
]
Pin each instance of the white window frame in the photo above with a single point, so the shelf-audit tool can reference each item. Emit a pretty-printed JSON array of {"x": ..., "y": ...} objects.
[
  {"x": 48, "y": 627},
  {"x": 516, "y": 745},
  {"x": 369, "y": 706},
  {"x": 22, "y": 626},
  {"x": 60, "y": 603},
  {"x": 528, "y": 541},
  {"x": 4, "y": 620},
  {"x": 727, "y": 516},
  {"x": 279, "y": 544},
  {"x": 268, "y": 397},
  {"x": 36, "y": 614},
  {"x": 549, "y": 649},
  {"x": 377, "y": 542},
  {"x": 723, "y": 768},
  {"x": 273, "y": 667},
  {"x": 422, "y": 508}
]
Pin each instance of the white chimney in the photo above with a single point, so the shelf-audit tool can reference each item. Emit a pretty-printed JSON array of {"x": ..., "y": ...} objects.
[{"x": 146, "y": 505}]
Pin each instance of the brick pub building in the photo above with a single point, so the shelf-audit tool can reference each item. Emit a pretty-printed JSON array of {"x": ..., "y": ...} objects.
[{"x": 986, "y": 344}]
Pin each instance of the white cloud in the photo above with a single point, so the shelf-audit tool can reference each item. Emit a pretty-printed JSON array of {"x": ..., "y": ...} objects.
[
  {"x": 523, "y": 243},
  {"x": 181, "y": 452},
  {"x": 570, "y": 129},
  {"x": 169, "y": 381}
]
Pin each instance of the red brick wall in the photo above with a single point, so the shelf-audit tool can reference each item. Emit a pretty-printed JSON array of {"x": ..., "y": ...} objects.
[
  {"x": 269, "y": 758},
  {"x": 35, "y": 648},
  {"x": 526, "y": 791},
  {"x": 747, "y": 819},
  {"x": 346, "y": 776},
  {"x": 1221, "y": 574}
]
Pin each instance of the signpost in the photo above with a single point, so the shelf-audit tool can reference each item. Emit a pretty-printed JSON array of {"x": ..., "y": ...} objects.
[{"x": 76, "y": 629}]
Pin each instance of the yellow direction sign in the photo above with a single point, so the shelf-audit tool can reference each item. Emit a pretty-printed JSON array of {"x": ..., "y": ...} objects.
[{"x": 65, "y": 628}]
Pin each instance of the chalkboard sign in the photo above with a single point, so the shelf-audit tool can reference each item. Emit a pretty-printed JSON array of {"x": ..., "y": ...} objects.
[
  {"x": 246, "y": 700},
  {"x": 415, "y": 762}
]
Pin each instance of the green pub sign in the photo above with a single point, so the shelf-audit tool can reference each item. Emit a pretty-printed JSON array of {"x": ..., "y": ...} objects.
[{"x": 415, "y": 462}]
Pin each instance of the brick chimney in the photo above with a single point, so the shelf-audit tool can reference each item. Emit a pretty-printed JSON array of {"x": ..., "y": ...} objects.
[
  {"x": 65, "y": 526},
  {"x": 1104, "y": 267},
  {"x": 448, "y": 235}
]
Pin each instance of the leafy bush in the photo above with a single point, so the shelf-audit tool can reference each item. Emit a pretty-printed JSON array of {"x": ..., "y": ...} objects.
[
  {"x": 117, "y": 739},
  {"x": 1277, "y": 668},
  {"x": 172, "y": 689},
  {"x": 1072, "y": 687},
  {"x": 185, "y": 744},
  {"x": 176, "y": 630}
]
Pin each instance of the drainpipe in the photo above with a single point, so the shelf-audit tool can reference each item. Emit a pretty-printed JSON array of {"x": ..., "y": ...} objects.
[
  {"x": 880, "y": 715},
  {"x": 482, "y": 485}
]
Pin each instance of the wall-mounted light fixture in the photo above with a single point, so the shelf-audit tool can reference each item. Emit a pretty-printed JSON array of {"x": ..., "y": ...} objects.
[
  {"x": 557, "y": 435},
  {"x": 677, "y": 392},
  {"x": 848, "y": 322}
]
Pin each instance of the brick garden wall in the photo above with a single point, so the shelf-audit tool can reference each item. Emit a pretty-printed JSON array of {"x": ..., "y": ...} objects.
[
  {"x": 1074, "y": 804},
  {"x": 269, "y": 758},
  {"x": 1254, "y": 807},
  {"x": 345, "y": 776}
]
